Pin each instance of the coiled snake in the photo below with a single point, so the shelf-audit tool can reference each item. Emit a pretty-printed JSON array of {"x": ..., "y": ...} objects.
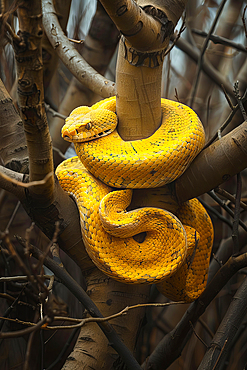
[{"x": 176, "y": 250}]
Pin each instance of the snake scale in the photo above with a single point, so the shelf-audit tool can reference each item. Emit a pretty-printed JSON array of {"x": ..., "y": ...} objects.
[{"x": 176, "y": 251}]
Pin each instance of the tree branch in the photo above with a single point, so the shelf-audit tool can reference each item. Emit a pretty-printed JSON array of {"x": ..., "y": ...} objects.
[
  {"x": 70, "y": 56},
  {"x": 171, "y": 346},
  {"x": 93, "y": 310},
  {"x": 221, "y": 343},
  {"x": 221, "y": 40},
  {"x": 214, "y": 165},
  {"x": 207, "y": 68}
]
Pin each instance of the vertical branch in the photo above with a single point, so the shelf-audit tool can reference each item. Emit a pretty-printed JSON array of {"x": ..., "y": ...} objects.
[
  {"x": 204, "y": 47},
  {"x": 218, "y": 350},
  {"x": 235, "y": 236},
  {"x": 29, "y": 63}
]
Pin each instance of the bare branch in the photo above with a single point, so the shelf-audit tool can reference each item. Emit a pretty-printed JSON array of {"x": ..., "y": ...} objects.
[
  {"x": 206, "y": 67},
  {"x": 21, "y": 333},
  {"x": 70, "y": 56},
  {"x": 221, "y": 40},
  {"x": 203, "y": 50},
  {"x": 220, "y": 345},
  {"x": 173, "y": 343},
  {"x": 207, "y": 172},
  {"x": 23, "y": 184},
  {"x": 92, "y": 309}
]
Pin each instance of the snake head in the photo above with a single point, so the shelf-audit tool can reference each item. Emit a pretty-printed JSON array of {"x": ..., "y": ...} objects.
[{"x": 84, "y": 124}]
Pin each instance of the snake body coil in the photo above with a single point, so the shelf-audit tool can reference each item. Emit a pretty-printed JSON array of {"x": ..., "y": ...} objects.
[{"x": 176, "y": 250}]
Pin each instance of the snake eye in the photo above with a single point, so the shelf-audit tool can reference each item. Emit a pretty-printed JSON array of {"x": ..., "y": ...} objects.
[{"x": 88, "y": 125}]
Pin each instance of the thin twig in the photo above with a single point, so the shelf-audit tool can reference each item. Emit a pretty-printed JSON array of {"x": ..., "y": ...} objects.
[
  {"x": 12, "y": 216},
  {"x": 227, "y": 121},
  {"x": 222, "y": 349},
  {"x": 12, "y": 35},
  {"x": 28, "y": 351},
  {"x": 208, "y": 110},
  {"x": 239, "y": 100},
  {"x": 103, "y": 319},
  {"x": 243, "y": 19},
  {"x": 47, "y": 250},
  {"x": 82, "y": 322},
  {"x": 18, "y": 259},
  {"x": 10, "y": 298},
  {"x": 226, "y": 208},
  {"x": 221, "y": 40},
  {"x": 36, "y": 281},
  {"x": 176, "y": 95},
  {"x": 207, "y": 68},
  {"x": 93, "y": 310},
  {"x": 76, "y": 41},
  {"x": 27, "y": 237},
  {"x": 23, "y": 332},
  {"x": 206, "y": 327},
  {"x": 216, "y": 213},
  {"x": 176, "y": 37},
  {"x": 236, "y": 219},
  {"x": 203, "y": 50},
  {"x": 53, "y": 112},
  {"x": 22, "y": 278},
  {"x": 230, "y": 197},
  {"x": 198, "y": 337},
  {"x": 29, "y": 184},
  {"x": 227, "y": 97},
  {"x": 11, "y": 307},
  {"x": 59, "y": 152}
]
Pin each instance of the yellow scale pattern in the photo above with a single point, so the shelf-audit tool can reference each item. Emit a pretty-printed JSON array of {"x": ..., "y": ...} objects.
[
  {"x": 145, "y": 163},
  {"x": 176, "y": 251}
]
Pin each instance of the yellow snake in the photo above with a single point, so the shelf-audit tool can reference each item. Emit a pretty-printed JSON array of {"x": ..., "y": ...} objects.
[{"x": 176, "y": 251}]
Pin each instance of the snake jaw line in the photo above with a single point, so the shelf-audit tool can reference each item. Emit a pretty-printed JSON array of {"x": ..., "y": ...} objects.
[{"x": 86, "y": 124}]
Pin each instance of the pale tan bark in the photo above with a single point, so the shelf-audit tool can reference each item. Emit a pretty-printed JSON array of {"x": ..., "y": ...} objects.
[
  {"x": 97, "y": 50},
  {"x": 13, "y": 152},
  {"x": 50, "y": 57},
  {"x": 70, "y": 56},
  {"x": 138, "y": 98},
  {"x": 31, "y": 96},
  {"x": 207, "y": 171},
  {"x": 103, "y": 289},
  {"x": 110, "y": 297}
]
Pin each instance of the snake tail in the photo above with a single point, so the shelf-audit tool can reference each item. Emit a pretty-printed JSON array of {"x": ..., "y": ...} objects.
[{"x": 191, "y": 278}]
